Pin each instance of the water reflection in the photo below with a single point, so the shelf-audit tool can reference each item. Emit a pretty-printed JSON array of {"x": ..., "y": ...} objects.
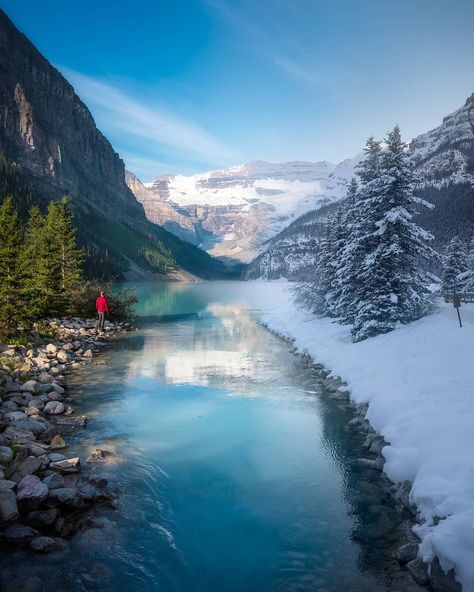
[{"x": 235, "y": 473}]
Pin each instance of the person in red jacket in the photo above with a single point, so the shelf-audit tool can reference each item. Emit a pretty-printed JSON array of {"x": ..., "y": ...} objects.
[{"x": 102, "y": 308}]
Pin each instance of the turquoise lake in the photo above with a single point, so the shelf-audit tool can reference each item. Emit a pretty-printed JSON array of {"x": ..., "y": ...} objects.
[{"x": 235, "y": 472}]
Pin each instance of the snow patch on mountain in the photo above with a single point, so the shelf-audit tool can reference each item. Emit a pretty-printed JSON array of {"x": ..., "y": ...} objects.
[{"x": 245, "y": 205}]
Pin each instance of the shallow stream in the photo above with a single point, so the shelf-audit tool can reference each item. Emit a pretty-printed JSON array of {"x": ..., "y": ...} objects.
[{"x": 235, "y": 471}]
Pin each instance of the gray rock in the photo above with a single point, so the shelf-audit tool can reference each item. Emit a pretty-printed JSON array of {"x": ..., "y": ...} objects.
[
  {"x": 43, "y": 544},
  {"x": 17, "y": 435},
  {"x": 66, "y": 496},
  {"x": 54, "y": 408},
  {"x": 63, "y": 356},
  {"x": 30, "y": 386},
  {"x": 6, "y": 484},
  {"x": 419, "y": 571},
  {"x": 443, "y": 582},
  {"x": 54, "y": 481},
  {"x": 54, "y": 396},
  {"x": 31, "y": 493},
  {"x": 42, "y": 518},
  {"x": 29, "y": 466},
  {"x": 57, "y": 443},
  {"x": 72, "y": 423},
  {"x": 8, "y": 507},
  {"x": 55, "y": 456},
  {"x": 37, "y": 403},
  {"x": 18, "y": 534},
  {"x": 67, "y": 466},
  {"x": 99, "y": 455},
  {"x": 36, "y": 426},
  {"x": 402, "y": 494},
  {"x": 59, "y": 389},
  {"x": 6, "y": 455},
  {"x": 46, "y": 388},
  {"x": 12, "y": 416},
  {"x": 407, "y": 552}
]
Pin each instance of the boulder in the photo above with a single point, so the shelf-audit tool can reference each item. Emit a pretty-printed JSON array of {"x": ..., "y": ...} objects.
[
  {"x": 8, "y": 507},
  {"x": 419, "y": 571},
  {"x": 54, "y": 408},
  {"x": 35, "y": 426},
  {"x": 54, "y": 396},
  {"x": 29, "y": 466},
  {"x": 31, "y": 493},
  {"x": 18, "y": 534},
  {"x": 54, "y": 481},
  {"x": 59, "y": 389},
  {"x": 63, "y": 356},
  {"x": 6, "y": 484},
  {"x": 6, "y": 455},
  {"x": 36, "y": 403},
  {"x": 407, "y": 552},
  {"x": 42, "y": 518},
  {"x": 441, "y": 581},
  {"x": 68, "y": 497},
  {"x": 30, "y": 386},
  {"x": 58, "y": 442},
  {"x": 99, "y": 455},
  {"x": 17, "y": 435},
  {"x": 12, "y": 416},
  {"x": 51, "y": 348},
  {"x": 71, "y": 423},
  {"x": 43, "y": 544},
  {"x": 66, "y": 466},
  {"x": 55, "y": 456}
]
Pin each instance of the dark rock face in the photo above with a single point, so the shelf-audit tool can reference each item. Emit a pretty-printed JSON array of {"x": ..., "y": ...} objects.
[{"x": 47, "y": 130}]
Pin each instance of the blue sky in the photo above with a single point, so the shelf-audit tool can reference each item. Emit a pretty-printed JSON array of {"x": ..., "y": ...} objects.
[{"x": 187, "y": 85}]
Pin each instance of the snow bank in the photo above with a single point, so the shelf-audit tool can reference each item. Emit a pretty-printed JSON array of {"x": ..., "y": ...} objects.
[{"x": 419, "y": 383}]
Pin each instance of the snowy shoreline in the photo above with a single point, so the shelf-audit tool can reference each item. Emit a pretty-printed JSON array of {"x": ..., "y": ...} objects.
[{"x": 418, "y": 386}]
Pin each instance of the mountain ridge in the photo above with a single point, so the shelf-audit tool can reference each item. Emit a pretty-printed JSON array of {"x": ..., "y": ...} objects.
[{"x": 48, "y": 131}]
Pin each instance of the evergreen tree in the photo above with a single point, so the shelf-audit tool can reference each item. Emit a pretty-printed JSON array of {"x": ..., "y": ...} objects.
[
  {"x": 345, "y": 268},
  {"x": 65, "y": 258},
  {"x": 455, "y": 267},
  {"x": 358, "y": 222},
  {"x": 468, "y": 279},
  {"x": 12, "y": 308},
  {"x": 35, "y": 266},
  {"x": 392, "y": 288}
]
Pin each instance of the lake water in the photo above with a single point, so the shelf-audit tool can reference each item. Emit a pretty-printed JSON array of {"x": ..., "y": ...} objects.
[{"x": 235, "y": 472}]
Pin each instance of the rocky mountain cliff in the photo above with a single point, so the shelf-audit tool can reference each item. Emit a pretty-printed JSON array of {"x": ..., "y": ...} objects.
[
  {"x": 232, "y": 212},
  {"x": 47, "y": 130},
  {"x": 443, "y": 162}
]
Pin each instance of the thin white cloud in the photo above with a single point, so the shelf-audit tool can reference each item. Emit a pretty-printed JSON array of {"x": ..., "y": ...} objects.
[
  {"x": 119, "y": 111},
  {"x": 278, "y": 51},
  {"x": 145, "y": 168},
  {"x": 296, "y": 69}
]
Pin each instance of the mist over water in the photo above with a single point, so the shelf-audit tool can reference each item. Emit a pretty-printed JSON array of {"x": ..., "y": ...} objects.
[{"x": 234, "y": 472}]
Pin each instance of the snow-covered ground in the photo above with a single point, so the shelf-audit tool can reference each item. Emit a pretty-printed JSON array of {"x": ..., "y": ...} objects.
[{"x": 419, "y": 383}]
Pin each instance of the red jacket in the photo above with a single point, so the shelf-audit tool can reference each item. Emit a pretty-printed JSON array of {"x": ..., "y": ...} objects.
[{"x": 101, "y": 304}]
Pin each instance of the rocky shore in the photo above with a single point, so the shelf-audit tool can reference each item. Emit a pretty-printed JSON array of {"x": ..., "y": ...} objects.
[{"x": 43, "y": 493}]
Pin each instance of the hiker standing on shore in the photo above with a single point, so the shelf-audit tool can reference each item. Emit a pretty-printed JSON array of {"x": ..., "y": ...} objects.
[{"x": 102, "y": 308}]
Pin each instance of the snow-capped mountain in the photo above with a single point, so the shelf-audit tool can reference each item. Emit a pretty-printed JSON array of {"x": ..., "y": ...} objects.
[
  {"x": 232, "y": 212},
  {"x": 443, "y": 161}
]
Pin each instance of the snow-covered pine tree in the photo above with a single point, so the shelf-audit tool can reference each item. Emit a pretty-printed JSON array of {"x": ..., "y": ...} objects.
[
  {"x": 392, "y": 289},
  {"x": 359, "y": 227},
  {"x": 455, "y": 267},
  {"x": 468, "y": 279},
  {"x": 346, "y": 256}
]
